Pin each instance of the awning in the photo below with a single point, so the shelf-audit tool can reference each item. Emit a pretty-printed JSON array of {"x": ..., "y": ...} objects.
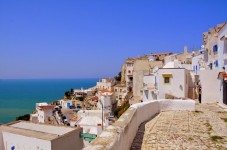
[
  {"x": 167, "y": 75},
  {"x": 223, "y": 38}
]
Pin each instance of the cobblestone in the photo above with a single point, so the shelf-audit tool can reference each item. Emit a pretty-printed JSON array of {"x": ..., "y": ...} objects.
[{"x": 175, "y": 130}]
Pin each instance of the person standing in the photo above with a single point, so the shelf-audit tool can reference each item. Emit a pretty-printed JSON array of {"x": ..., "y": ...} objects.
[{"x": 200, "y": 91}]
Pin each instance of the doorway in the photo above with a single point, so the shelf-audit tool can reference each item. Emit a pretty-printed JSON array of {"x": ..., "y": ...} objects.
[{"x": 224, "y": 92}]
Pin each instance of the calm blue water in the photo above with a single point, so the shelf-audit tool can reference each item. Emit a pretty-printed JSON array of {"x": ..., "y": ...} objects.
[{"x": 18, "y": 97}]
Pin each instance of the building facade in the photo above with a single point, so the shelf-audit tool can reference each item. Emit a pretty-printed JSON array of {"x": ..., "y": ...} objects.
[
  {"x": 105, "y": 84},
  {"x": 173, "y": 81},
  {"x": 23, "y": 135},
  {"x": 222, "y": 60},
  {"x": 120, "y": 92},
  {"x": 45, "y": 113}
]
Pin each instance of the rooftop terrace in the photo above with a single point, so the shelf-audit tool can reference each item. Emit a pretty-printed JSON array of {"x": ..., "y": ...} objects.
[
  {"x": 167, "y": 124},
  {"x": 40, "y": 131},
  {"x": 205, "y": 128}
]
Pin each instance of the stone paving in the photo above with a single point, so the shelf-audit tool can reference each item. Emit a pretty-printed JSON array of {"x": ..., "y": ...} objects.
[{"x": 204, "y": 129}]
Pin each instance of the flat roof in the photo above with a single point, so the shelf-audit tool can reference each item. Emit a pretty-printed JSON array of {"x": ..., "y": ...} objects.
[
  {"x": 40, "y": 131},
  {"x": 59, "y": 130}
]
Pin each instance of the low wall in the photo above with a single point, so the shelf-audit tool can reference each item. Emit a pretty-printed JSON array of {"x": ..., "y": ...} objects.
[
  {"x": 121, "y": 134},
  {"x": 166, "y": 105}
]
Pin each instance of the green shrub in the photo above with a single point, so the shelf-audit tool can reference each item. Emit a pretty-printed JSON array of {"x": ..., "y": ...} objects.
[{"x": 25, "y": 117}]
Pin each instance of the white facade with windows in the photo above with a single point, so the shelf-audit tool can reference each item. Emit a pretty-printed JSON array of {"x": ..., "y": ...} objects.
[
  {"x": 174, "y": 82},
  {"x": 44, "y": 113},
  {"x": 106, "y": 101},
  {"x": 198, "y": 63},
  {"x": 105, "y": 84},
  {"x": 120, "y": 92}
]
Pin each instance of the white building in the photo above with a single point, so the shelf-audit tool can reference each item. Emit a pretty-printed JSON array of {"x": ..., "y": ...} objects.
[
  {"x": 91, "y": 125},
  {"x": 222, "y": 60},
  {"x": 66, "y": 103},
  {"x": 73, "y": 121},
  {"x": 142, "y": 67},
  {"x": 120, "y": 92},
  {"x": 91, "y": 121},
  {"x": 173, "y": 80},
  {"x": 23, "y": 135},
  {"x": 40, "y": 104},
  {"x": 44, "y": 113},
  {"x": 149, "y": 87},
  {"x": 81, "y": 92},
  {"x": 198, "y": 63},
  {"x": 105, "y": 84},
  {"x": 84, "y": 113},
  {"x": 222, "y": 47},
  {"x": 106, "y": 101}
]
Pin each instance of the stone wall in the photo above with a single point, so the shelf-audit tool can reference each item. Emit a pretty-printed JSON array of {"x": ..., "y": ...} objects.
[{"x": 121, "y": 134}]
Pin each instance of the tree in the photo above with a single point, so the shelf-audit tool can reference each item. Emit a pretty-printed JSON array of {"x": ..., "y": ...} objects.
[
  {"x": 71, "y": 91},
  {"x": 68, "y": 94},
  {"x": 118, "y": 77},
  {"x": 25, "y": 117},
  {"x": 81, "y": 98},
  {"x": 121, "y": 109}
]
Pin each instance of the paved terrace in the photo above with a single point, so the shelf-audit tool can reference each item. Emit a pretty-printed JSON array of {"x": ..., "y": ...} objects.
[{"x": 206, "y": 128}]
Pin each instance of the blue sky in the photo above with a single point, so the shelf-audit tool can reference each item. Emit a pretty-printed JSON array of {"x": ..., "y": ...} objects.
[{"x": 92, "y": 38}]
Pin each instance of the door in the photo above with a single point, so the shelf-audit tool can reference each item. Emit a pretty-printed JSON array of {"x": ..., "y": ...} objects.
[
  {"x": 225, "y": 92},
  {"x": 68, "y": 105}
]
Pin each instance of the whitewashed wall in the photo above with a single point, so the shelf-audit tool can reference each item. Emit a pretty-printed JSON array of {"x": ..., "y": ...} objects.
[
  {"x": 24, "y": 143},
  {"x": 210, "y": 85},
  {"x": 178, "y": 83},
  {"x": 196, "y": 63},
  {"x": 41, "y": 116},
  {"x": 148, "y": 94},
  {"x": 222, "y": 49}
]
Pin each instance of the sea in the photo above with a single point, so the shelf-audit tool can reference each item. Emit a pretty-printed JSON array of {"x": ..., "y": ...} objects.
[{"x": 19, "y": 96}]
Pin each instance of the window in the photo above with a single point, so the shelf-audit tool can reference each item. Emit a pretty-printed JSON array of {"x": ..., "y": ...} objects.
[
  {"x": 115, "y": 90},
  {"x": 129, "y": 71},
  {"x": 131, "y": 78},
  {"x": 215, "y": 48},
  {"x": 216, "y": 63},
  {"x": 166, "y": 80}
]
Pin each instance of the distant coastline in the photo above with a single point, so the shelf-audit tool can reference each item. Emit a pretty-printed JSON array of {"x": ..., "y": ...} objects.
[{"x": 20, "y": 95}]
